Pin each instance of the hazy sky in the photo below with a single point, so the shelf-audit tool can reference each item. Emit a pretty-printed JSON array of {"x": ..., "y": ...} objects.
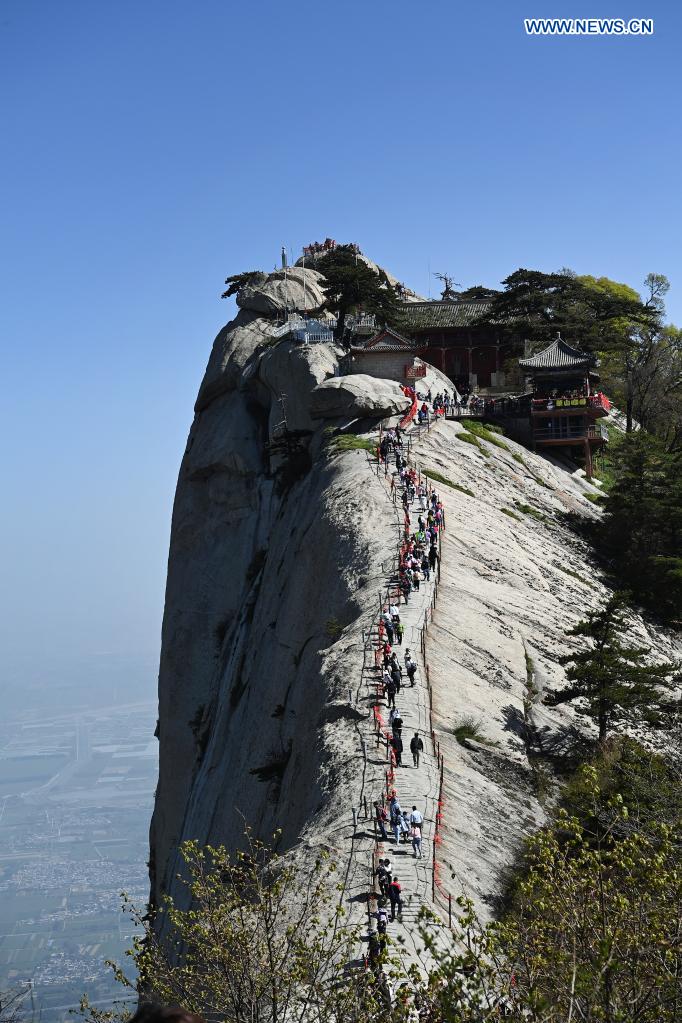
[{"x": 150, "y": 148}]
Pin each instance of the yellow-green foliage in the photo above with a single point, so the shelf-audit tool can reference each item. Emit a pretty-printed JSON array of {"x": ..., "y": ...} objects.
[{"x": 439, "y": 478}]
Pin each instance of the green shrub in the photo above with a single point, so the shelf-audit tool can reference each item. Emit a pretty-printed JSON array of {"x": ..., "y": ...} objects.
[
  {"x": 333, "y": 628},
  {"x": 528, "y": 509},
  {"x": 484, "y": 432},
  {"x": 351, "y": 442},
  {"x": 510, "y": 513},
  {"x": 468, "y": 438},
  {"x": 439, "y": 478},
  {"x": 468, "y": 728},
  {"x": 576, "y": 575}
]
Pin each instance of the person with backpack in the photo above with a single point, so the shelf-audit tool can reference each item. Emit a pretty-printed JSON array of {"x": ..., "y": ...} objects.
[
  {"x": 382, "y": 920},
  {"x": 383, "y": 878},
  {"x": 397, "y": 744},
  {"x": 395, "y": 895},
  {"x": 416, "y": 748},
  {"x": 400, "y": 632},
  {"x": 389, "y": 692},
  {"x": 396, "y": 826},
  {"x": 405, "y": 828},
  {"x": 416, "y": 819},
  {"x": 411, "y": 671}
]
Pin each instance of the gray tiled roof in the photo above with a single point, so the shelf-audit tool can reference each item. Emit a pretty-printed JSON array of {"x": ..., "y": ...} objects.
[
  {"x": 558, "y": 355},
  {"x": 386, "y": 340},
  {"x": 425, "y": 315}
]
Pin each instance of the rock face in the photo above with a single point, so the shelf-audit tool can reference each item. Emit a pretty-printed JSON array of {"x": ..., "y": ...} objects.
[
  {"x": 357, "y": 395},
  {"x": 278, "y": 548},
  {"x": 293, "y": 288},
  {"x": 254, "y": 658}
]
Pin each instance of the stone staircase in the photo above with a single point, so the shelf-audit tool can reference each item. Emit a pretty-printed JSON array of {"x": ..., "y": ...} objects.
[{"x": 415, "y": 786}]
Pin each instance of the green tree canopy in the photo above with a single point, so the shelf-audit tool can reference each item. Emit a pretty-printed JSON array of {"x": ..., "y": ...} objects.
[
  {"x": 615, "y": 681},
  {"x": 353, "y": 286},
  {"x": 642, "y": 528}
]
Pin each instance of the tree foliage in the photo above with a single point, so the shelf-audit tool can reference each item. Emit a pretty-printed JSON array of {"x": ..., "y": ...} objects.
[
  {"x": 250, "y": 939},
  {"x": 243, "y": 280},
  {"x": 640, "y": 355},
  {"x": 614, "y": 681},
  {"x": 642, "y": 528},
  {"x": 596, "y": 930},
  {"x": 352, "y": 286}
]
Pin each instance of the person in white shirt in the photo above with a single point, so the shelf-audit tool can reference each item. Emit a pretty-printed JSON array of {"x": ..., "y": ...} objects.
[{"x": 416, "y": 819}]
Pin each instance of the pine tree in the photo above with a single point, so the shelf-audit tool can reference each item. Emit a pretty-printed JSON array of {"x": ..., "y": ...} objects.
[
  {"x": 352, "y": 285},
  {"x": 614, "y": 679},
  {"x": 642, "y": 529}
]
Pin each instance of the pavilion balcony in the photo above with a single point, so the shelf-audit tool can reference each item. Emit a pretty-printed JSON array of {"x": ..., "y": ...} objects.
[
  {"x": 594, "y": 402},
  {"x": 565, "y": 433}
]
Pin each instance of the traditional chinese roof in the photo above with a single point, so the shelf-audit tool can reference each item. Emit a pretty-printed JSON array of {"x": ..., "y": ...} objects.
[
  {"x": 559, "y": 355},
  {"x": 387, "y": 340},
  {"x": 426, "y": 315}
]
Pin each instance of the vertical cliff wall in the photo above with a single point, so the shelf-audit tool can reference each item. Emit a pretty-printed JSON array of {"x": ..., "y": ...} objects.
[
  {"x": 280, "y": 544},
  {"x": 271, "y": 555}
]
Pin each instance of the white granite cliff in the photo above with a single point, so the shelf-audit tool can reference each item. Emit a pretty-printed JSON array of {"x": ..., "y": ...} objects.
[{"x": 274, "y": 567}]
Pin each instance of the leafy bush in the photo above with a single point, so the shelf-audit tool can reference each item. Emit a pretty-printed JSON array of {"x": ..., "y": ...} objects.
[
  {"x": 439, "y": 478},
  {"x": 351, "y": 442},
  {"x": 484, "y": 432},
  {"x": 333, "y": 628},
  {"x": 468, "y": 728},
  {"x": 469, "y": 438},
  {"x": 528, "y": 509}
]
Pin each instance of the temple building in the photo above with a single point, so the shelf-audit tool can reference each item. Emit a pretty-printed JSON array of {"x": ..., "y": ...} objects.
[
  {"x": 566, "y": 402},
  {"x": 449, "y": 335},
  {"x": 387, "y": 354}
]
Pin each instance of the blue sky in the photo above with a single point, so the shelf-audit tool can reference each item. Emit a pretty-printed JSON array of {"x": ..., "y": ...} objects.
[{"x": 151, "y": 148}]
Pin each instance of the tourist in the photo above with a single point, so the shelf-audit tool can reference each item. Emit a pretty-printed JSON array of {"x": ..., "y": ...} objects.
[
  {"x": 416, "y": 843},
  {"x": 400, "y": 632},
  {"x": 395, "y": 895},
  {"x": 416, "y": 819},
  {"x": 396, "y": 826},
  {"x": 383, "y": 878},
  {"x": 416, "y": 747},
  {"x": 389, "y": 693},
  {"x": 411, "y": 672},
  {"x": 382, "y": 920},
  {"x": 397, "y": 744},
  {"x": 381, "y": 819}
]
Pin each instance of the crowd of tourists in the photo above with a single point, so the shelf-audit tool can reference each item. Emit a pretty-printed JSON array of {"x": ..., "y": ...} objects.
[
  {"x": 444, "y": 404},
  {"x": 424, "y": 517}
]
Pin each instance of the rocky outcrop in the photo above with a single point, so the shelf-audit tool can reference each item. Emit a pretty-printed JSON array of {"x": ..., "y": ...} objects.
[
  {"x": 358, "y": 396},
  {"x": 280, "y": 543},
  {"x": 254, "y": 656},
  {"x": 284, "y": 290}
]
